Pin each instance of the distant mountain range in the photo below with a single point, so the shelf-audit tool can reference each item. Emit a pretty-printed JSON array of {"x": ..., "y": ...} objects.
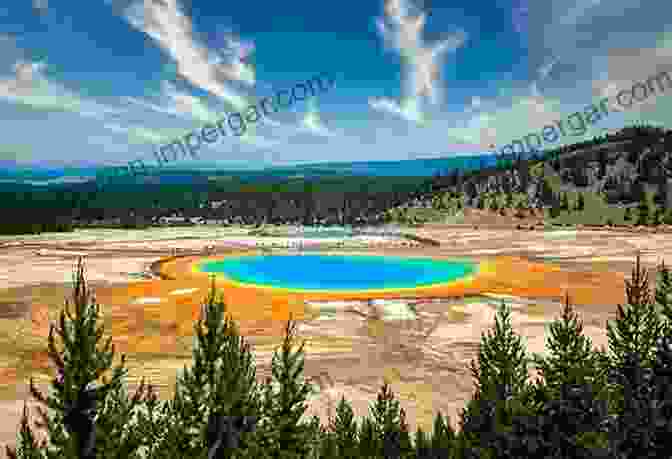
[{"x": 48, "y": 173}]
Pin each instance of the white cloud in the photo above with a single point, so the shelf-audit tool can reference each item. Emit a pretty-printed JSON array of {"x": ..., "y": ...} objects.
[
  {"x": 28, "y": 85},
  {"x": 580, "y": 11},
  {"x": 41, "y": 6},
  {"x": 409, "y": 111},
  {"x": 172, "y": 30},
  {"x": 401, "y": 30}
]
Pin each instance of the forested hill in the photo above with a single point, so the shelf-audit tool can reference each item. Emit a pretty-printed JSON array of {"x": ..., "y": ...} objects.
[{"x": 624, "y": 167}]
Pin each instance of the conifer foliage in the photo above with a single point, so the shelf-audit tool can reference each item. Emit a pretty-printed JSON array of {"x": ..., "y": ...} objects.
[
  {"x": 500, "y": 376},
  {"x": 570, "y": 357},
  {"x": 282, "y": 433},
  {"x": 344, "y": 427},
  {"x": 638, "y": 324},
  {"x": 217, "y": 399},
  {"x": 85, "y": 420}
]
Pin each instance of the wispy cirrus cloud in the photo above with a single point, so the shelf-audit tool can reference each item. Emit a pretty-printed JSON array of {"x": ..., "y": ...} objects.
[
  {"x": 401, "y": 29},
  {"x": 407, "y": 110},
  {"x": 172, "y": 30},
  {"x": 207, "y": 69},
  {"x": 27, "y": 85}
]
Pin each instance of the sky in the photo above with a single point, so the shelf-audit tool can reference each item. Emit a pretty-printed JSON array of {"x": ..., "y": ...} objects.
[{"x": 108, "y": 81}]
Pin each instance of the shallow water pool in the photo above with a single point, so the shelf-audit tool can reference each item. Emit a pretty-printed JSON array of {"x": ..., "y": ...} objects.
[{"x": 339, "y": 272}]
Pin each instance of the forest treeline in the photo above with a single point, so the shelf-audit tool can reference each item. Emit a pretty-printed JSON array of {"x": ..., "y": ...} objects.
[
  {"x": 624, "y": 167},
  {"x": 613, "y": 402}
]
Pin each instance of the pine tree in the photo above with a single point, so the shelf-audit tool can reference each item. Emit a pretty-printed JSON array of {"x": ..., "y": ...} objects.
[
  {"x": 663, "y": 295},
  {"x": 574, "y": 385},
  {"x": 385, "y": 413},
  {"x": 216, "y": 402},
  {"x": 502, "y": 361},
  {"x": 509, "y": 201},
  {"x": 153, "y": 423},
  {"x": 71, "y": 428},
  {"x": 423, "y": 449},
  {"x": 494, "y": 205},
  {"x": 368, "y": 440},
  {"x": 27, "y": 446},
  {"x": 501, "y": 388},
  {"x": 570, "y": 358},
  {"x": 658, "y": 216},
  {"x": 344, "y": 427},
  {"x": 328, "y": 448},
  {"x": 564, "y": 202},
  {"x": 405, "y": 444},
  {"x": 443, "y": 437},
  {"x": 643, "y": 211},
  {"x": 637, "y": 324},
  {"x": 284, "y": 401},
  {"x": 634, "y": 333}
]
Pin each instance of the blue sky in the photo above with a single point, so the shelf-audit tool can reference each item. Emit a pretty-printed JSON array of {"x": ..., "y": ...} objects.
[{"x": 107, "y": 81}]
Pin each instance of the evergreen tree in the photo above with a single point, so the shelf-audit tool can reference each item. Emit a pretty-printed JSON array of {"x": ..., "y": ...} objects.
[
  {"x": 406, "y": 449},
  {"x": 574, "y": 384},
  {"x": 368, "y": 440},
  {"x": 634, "y": 333},
  {"x": 658, "y": 216},
  {"x": 423, "y": 449},
  {"x": 72, "y": 429},
  {"x": 502, "y": 361},
  {"x": 500, "y": 375},
  {"x": 284, "y": 402},
  {"x": 570, "y": 358},
  {"x": 494, "y": 205},
  {"x": 443, "y": 437},
  {"x": 643, "y": 211},
  {"x": 153, "y": 422},
  {"x": 643, "y": 427},
  {"x": 564, "y": 202},
  {"x": 344, "y": 427},
  {"x": 663, "y": 295},
  {"x": 509, "y": 201},
  {"x": 580, "y": 203},
  {"x": 385, "y": 413},
  {"x": 27, "y": 446},
  {"x": 216, "y": 402},
  {"x": 667, "y": 218},
  {"x": 328, "y": 448}
]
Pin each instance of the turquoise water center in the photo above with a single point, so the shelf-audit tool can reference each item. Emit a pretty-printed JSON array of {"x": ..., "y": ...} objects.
[{"x": 339, "y": 272}]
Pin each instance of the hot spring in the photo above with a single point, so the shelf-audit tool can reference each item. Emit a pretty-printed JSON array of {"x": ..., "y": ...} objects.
[{"x": 338, "y": 272}]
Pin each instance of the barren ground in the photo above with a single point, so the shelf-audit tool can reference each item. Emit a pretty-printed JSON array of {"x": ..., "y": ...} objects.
[{"x": 350, "y": 349}]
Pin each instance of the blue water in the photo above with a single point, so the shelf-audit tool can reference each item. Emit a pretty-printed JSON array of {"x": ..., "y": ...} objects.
[
  {"x": 338, "y": 272},
  {"x": 317, "y": 232}
]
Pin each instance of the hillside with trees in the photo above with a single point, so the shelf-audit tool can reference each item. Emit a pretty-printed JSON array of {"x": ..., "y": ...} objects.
[{"x": 622, "y": 178}]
